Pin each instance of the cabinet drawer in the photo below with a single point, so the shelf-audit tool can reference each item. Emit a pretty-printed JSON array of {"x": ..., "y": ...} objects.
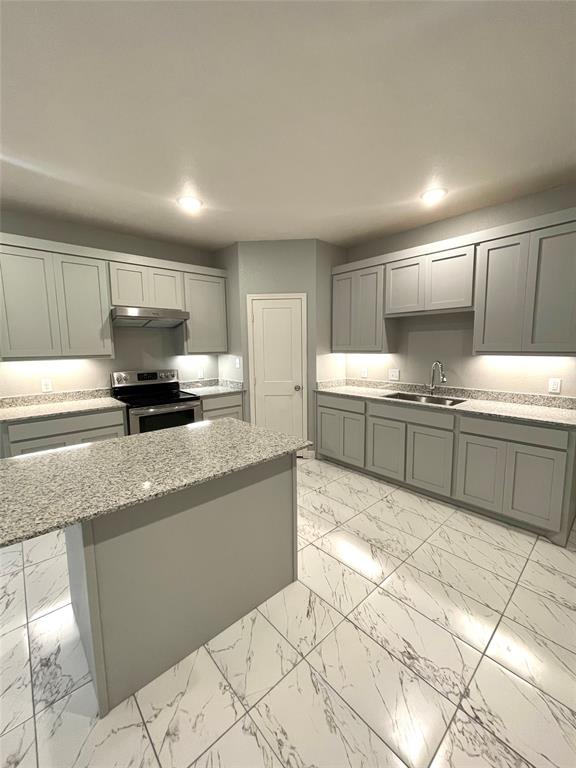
[
  {"x": 224, "y": 413},
  {"x": 341, "y": 403},
  {"x": 32, "y": 430},
  {"x": 416, "y": 415},
  {"x": 52, "y": 442},
  {"x": 520, "y": 433},
  {"x": 217, "y": 403}
]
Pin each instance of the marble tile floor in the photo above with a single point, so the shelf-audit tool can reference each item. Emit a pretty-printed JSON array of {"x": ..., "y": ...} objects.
[{"x": 418, "y": 635}]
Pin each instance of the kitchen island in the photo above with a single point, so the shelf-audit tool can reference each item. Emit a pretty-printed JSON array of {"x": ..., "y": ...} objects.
[{"x": 171, "y": 535}]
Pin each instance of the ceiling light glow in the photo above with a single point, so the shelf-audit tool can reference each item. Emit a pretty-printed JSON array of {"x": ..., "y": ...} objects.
[
  {"x": 433, "y": 196},
  {"x": 190, "y": 204}
]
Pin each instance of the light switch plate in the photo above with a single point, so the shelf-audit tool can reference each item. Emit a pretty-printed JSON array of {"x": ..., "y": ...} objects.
[
  {"x": 364, "y": 373},
  {"x": 393, "y": 374},
  {"x": 46, "y": 385},
  {"x": 554, "y": 386}
]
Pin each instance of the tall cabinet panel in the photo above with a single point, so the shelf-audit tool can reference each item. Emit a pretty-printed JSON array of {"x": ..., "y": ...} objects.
[
  {"x": 28, "y": 309},
  {"x": 83, "y": 305},
  {"x": 205, "y": 299},
  {"x": 550, "y": 311},
  {"x": 502, "y": 267},
  {"x": 342, "y": 287}
]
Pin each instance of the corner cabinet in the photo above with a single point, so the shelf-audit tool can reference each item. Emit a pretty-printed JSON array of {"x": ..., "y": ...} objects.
[
  {"x": 358, "y": 311},
  {"x": 205, "y": 300}
]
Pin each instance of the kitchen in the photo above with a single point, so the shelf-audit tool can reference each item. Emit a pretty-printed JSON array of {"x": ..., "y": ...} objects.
[{"x": 286, "y": 482}]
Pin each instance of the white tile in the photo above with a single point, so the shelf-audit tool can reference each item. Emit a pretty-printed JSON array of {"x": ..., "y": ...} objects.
[
  {"x": 47, "y": 586},
  {"x": 322, "y": 468},
  {"x": 15, "y": 685},
  {"x": 302, "y": 543},
  {"x": 59, "y": 664},
  {"x": 252, "y": 656},
  {"x": 553, "y": 556},
  {"x": 436, "y": 655},
  {"x": 12, "y": 601},
  {"x": 243, "y": 746},
  {"x": 18, "y": 747},
  {"x": 499, "y": 534},
  {"x": 330, "y": 509},
  {"x": 357, "y": 553},
  {"x": 311, "y": 526},
  {"x": 537, "y": 660},
  {"x": 540, "y": 729},
  {"x": 375, "y": 531},
  {"x": 310, "y": 480},
  {"x": 404, "y": 519},
  {"x": 543, "y": 616},
  {"x": 550, "y": 583},
  {"x": 301, "y": 616},
  {"x": 363, "y": 484},
  {"x": 308, "y": 724},
  {"x": 468, "y": 745},
  {"x": 187, "y": 709},
  {"x": 356, "y": 499},
  {"x": 466, "y": 577},
  {"x": 466, "y": 618},
  {"x": 71, "y": 735},
  {"x": 435, "y": 511},
  {"x": 43, "y": 547},
  {"x": 407, "y": 714},
  {"x": 10, "y": 559},
  {"x": 500, "y": 561},
  {"x": 339, "y": 585}
]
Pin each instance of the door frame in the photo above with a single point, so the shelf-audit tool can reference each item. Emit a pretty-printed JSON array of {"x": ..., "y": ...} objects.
[{"x": 304, "y": 346}]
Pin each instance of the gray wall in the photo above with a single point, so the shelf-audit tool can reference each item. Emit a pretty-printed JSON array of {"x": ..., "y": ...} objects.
[
  {"x": 522, "y": 208},
  {"x": 32, "y": 224},
  {"x": 328, "y": 365}
]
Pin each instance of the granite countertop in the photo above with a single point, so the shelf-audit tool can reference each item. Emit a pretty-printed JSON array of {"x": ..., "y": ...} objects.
[
  {"x": 213, "y": 391},
  {"x": 46, "y": 491},
  {"x": 496, "y": 409},
  {"x": 15, "y": 413}
]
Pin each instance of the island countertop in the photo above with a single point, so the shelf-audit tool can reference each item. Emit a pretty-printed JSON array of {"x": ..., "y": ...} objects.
[{"x": 46, "y": 491}]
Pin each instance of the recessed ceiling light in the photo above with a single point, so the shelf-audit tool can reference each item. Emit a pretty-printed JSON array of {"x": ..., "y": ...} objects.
[
  {"x": 433, "y": 196},
  {"x": 190, "y": 204}
]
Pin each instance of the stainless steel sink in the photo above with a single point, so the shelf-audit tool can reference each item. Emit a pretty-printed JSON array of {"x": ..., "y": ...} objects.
[{"x": 433, "y": 399}]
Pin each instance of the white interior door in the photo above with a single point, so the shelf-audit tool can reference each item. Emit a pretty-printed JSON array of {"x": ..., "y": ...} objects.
[{"x": 278, "y": 362}]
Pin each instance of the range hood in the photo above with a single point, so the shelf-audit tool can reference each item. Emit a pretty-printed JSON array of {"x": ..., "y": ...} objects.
[{"x": 148, "y": 317}]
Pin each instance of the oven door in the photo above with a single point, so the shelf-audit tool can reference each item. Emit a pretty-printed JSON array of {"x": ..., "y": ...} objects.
[{"x": 163, "y": 416}]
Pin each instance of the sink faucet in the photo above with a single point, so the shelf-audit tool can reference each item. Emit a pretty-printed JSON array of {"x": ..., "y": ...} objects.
[{"x": 436, "y": 366}]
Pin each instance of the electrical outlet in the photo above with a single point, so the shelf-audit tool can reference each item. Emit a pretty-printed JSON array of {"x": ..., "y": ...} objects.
[
  {"x": 364, "y": 373},
  {"x": 237, "y": 362},
  {"x": 393, "y": 374},
  {"x": 200, "y": 373},
  {"x": 554, "y": 386},
  {"x": 46, "y": 385}
]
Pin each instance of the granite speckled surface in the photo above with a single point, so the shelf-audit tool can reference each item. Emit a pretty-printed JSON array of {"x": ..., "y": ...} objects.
[
  {"x": 49, "y": 408},
  {"x": 214, "y": 391},
  {"x": 39, "y": 398},
  {"x": 46, "y": 491},
  {"x": 504, "y": 411}
]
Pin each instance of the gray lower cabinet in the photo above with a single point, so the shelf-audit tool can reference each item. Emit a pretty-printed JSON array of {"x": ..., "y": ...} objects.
[
  {"x": 358, "y": 311},
  {"x": 353, "y": 428},
  {"x": 386, "y": 447},
  {"x": 480, "y": 471},
  {"x": 429, "y": 458},
  {"x": 329, "y": 437},
  {"x": 205, "y": 300},
  {"x": 49, "y": 443},
  {"x": 341, "y": 435},
  {"x": 224, "y": 413},
  {"x": 534, "y": 485}
]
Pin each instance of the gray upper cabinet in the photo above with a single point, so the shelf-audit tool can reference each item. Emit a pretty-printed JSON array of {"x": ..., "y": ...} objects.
[
  {"x": 429, "y": 458},
  {"x": 29, "y": 313},
  {"x": 450, "y": 279},
  {"x": 550, "y": 309},
  {"x": 502, "y": 267},
  {"x": 83, "y": 306},
  {"x": 405, "y": 286},
  {"x": 130, "y": 285},
  {"x": 205, "y": 300},
  {"x": 166, "y": 288},
  {"x": 358, "y": 311}
]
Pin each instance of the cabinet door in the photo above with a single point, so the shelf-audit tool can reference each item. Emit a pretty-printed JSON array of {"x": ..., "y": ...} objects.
[
  {"x": 83, "y": 306},
  {"x": 450, "y": 279},
  {"x": 429, "y": 458},
  {"x": 42, "y": 444},
  {"x": 130, "y": 284},
  {"x": 28, "y": 308},
  {"x": 502, "y": 267},
  {"x": 329, "y": 437},
  {"x": 96, "y": 435},
  {"x": 405, "y": 282},
  {"x": 342, "y": 287},
  {"x": 386, "y": 447},
  {"x": 224, "y": 413},
  {"x": 353, "y": 426},
  {"x": 550, "y": 310},
  {"x": 480, "y": 471},
  {"x": 534, "y": 485},
  {"x": 368, "y": 309},
  {"x": 166, "y": 289},
  {"x": 205, "y": 299}
]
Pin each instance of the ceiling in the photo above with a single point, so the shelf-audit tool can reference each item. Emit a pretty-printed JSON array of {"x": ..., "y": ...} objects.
[{"x": 288, "y": 119}]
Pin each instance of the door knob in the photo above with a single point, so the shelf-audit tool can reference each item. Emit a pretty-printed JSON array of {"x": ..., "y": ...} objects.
[{"x": 297, "y": 387}]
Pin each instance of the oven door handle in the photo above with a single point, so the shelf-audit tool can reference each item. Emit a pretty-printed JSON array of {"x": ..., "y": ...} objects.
[{"x": 164, "y": 409}]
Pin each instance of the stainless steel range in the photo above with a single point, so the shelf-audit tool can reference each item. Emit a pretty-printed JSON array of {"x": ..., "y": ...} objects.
[{"x": 155, "y": 400}]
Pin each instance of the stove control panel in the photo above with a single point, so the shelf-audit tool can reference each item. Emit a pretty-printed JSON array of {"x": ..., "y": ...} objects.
[{"x": 132, "y": 378}]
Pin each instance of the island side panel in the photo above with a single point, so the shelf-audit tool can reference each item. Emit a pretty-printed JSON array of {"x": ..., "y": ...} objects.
[{"x": 174, "y": 572}]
